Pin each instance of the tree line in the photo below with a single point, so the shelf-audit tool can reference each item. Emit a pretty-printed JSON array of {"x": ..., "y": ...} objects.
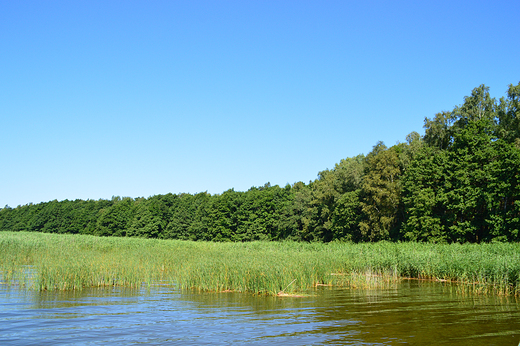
[{"x": 460, "y": 182}]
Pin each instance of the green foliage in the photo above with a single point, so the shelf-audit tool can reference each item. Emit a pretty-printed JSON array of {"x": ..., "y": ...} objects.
[
  {"x": 458, "y": 183},
  {"x": 508, "y": 114},
  {"x": 467, "y": 190},
  {"x": 64, "y": 262},
  {"x": 329, "y": 203},
  {"x": 424, "y": 193},
  {"x": 438, "y": 130},
  {"x": 295, "y": 219},
  {"x": 116, "y": 219},
  {"x": 187, "y": 213},
  {"x": 346, "y": 217},
  {"x": 381, "y": 199}
]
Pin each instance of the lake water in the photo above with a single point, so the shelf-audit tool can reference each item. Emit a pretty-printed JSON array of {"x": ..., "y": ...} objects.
[{"x": 413, "y": 312}]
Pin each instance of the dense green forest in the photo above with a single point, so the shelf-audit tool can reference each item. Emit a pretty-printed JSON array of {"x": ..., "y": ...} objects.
[{"x": 460, "y": 182}]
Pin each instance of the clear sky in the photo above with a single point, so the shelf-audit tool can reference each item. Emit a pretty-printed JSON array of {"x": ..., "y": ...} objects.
[{"x": 139, "y": 98}]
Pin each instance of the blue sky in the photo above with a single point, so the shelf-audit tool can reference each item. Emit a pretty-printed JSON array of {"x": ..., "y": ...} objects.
[{"x": 138, "y": 98}]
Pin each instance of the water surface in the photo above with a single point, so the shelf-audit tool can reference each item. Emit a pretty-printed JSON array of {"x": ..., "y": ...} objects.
[{"x": 414, "y": 313}]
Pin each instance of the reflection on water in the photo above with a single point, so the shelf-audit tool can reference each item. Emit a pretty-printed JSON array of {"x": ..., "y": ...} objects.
[{"x": 416, "y": 313}]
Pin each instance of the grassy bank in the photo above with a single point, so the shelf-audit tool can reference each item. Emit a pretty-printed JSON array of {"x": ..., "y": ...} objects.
[{"x": 58, "y": 262}]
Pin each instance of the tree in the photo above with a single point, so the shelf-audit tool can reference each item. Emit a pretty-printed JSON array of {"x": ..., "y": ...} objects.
[
  {"x": 294, "y": 223},
  {"x": 346, "y": 217},
  {"x": 187, "y": 213},
  {"x": 438, "y": 132},
  {"x": 508, "y": 113},
  {"x": 425, "y": 184},
  {"x": 116, "y": 219},
  {"x": 467, "y": 190},
  {"x": 380, "y": 201}
]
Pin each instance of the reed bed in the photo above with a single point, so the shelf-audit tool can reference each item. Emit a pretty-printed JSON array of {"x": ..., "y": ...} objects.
[{"x": 62, "y": 262}]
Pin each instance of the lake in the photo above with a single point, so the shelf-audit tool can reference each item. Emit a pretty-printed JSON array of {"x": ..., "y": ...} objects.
[{"x": 411, "y": 312}]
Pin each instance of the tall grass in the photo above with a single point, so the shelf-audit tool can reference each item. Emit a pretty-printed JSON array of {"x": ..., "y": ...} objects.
[{"x": 60, "y": 262}]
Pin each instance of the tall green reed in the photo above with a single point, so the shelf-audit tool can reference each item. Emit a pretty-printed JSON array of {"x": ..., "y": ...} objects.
[{"x": 61, "y": 262}]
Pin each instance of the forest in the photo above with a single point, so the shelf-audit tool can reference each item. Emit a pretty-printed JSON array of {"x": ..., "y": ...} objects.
[{"x": 459, "y": 183}]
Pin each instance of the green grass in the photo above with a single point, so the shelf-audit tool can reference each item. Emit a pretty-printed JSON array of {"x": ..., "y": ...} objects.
[{"x": 61, "y": 262}]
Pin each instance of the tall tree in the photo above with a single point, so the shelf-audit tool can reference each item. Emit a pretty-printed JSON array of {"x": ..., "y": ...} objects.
[
  {"x": 425, "y": 184},
  {"x": 381, "y": 199},
  {"x": 508, "y": 114}
]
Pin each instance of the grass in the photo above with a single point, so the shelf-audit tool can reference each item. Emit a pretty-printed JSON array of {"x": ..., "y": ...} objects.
[{"x": 62, "y": 262}]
